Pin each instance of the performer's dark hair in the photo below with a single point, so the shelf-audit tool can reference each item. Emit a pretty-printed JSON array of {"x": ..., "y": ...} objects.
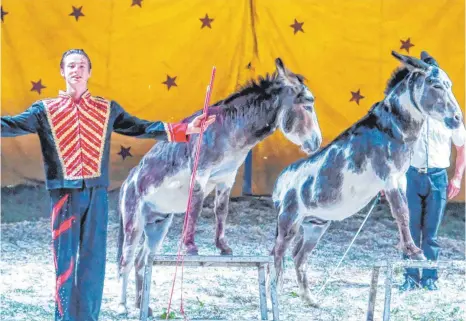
[{"x": 75, "y": 51}]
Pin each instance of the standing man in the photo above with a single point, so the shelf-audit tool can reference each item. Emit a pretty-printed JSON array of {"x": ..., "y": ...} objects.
[
  {"x": 428, "y": 190},
  {"x": 74, "y": 131}
]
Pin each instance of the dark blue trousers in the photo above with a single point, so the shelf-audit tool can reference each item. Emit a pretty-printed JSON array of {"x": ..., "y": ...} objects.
[
  {"x": 79, "y": 233},
  {"x": 427, "y": 198}
]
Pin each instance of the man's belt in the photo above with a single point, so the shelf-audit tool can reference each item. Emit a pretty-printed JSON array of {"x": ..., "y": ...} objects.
[
  {"x": 425, "y": 170},
  {"x": 422, "y": 170}
]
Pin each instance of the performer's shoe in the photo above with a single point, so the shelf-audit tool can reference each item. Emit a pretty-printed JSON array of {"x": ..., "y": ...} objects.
[
  {"x": 409, "y": 285},
  {"x": 429, "y": 284}
]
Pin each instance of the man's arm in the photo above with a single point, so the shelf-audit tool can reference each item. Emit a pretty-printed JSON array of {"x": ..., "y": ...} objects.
[
  {"x": 129, "y": 125},
  {"x": 459, "y": 139},
  {"x": 25, "y": 123},
  {"x": 460, "y": 162}
]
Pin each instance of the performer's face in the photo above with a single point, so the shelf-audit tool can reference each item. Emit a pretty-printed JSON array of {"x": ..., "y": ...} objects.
[{"x": 76, "y": 70}]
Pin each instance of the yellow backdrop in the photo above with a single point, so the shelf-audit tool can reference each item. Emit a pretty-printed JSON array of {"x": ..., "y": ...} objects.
[{"x": 135, "y": 45}]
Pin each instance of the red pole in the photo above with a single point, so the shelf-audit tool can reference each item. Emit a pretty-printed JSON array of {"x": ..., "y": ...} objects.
[{"x": 191, "y": 187}]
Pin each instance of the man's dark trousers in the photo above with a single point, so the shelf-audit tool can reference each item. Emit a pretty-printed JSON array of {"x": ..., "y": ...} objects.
[
  {"x": 79, "y": 233},
  {"x": 427, "y": 198}
]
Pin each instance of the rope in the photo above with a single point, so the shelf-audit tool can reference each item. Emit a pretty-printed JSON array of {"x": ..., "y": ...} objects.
[
  {"x": 351, "y": 244},
  {"x": 191, "y": 188}
]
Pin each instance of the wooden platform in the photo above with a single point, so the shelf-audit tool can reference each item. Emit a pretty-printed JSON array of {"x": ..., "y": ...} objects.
[
  {"x": 259, "y": 262},
  {"x": 389, "y": 267}
]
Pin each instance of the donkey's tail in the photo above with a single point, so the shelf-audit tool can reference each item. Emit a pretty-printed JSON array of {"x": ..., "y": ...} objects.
[
  {"x": 276, "y": 205},
  {"x": 121, "y": 237},
  {"x": 271, "y": 271}
]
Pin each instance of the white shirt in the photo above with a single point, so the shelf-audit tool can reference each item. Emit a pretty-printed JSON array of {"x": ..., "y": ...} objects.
[{"x": 438, "y": 143}]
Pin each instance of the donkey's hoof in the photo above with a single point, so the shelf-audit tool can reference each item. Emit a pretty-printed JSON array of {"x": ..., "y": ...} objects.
[
  {"x": 415, "y": 253},
  {"x": 150, "y": 313},
  {"x": 310, "y": 301},
  {"x": 312, "y": 304},
  {"x": 419, "y": 256},
  {"x": 226, "y": 251},
  {"x": 192, "y": 251},
  {"x": 122, "y": 310}
]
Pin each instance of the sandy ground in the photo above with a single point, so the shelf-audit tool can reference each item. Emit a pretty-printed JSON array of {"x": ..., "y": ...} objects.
[{"x": 27, "y": 276}]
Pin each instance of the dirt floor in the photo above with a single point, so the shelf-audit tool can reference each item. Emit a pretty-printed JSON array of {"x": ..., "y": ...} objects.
[{"x": 27, "y": 275}]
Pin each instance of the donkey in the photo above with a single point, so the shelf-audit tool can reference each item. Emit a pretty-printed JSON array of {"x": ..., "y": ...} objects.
[
  {"x": 371, "y": 156},
  {"x": 157, "y": 188}
]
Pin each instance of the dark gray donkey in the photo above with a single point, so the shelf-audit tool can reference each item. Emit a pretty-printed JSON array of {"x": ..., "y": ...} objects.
[
  {"x": 158, "y": 187},
  {"x": 371, "y": 156}
]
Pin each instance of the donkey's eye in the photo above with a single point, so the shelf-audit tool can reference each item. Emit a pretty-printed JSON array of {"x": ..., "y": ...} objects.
[
  {"x": 308, "y": 107},
  {"x": 437, "y": 86}
]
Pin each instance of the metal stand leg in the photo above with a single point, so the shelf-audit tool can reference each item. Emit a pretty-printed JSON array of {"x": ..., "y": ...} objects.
[
  {"x": 262, "y": 293},
  {"x": 144, "y": 308},
  {"x": 373, "y": 293},
  {"x": 274, "y": 299},
  {"x": 388, "y": 292}
]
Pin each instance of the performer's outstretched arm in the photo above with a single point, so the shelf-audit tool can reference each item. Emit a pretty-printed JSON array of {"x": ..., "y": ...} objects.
[
  {"x": 22, "y": 124},
  {"x": 129, "y": 125}
]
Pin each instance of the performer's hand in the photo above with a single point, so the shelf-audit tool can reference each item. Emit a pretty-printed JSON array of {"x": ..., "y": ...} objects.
[
  {"x": 194, "y": 126},
  {"x": 454, "y": 187}
]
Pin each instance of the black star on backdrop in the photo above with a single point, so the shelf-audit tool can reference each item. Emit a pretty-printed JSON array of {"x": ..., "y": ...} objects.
[
  {"x": 356, "y": 96},
  {"x": 77, "y": 12},
  {"x": 137, "y": 3},
  {"x": 124, "y": 152},
  {"x": 37, "y": 86},
  {"x": 4, "y": 13},
  {"x": 250, "y": 67},
  {"x": 206, "y": 21},
  {"x": 406, "y": 44},
  {"x": 297, "y": 26},
  {"x": 170, "y": 82}
]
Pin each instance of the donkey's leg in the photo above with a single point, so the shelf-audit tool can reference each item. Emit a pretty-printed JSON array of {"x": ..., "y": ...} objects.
[
  {"x": 222, "y": 198},
  {"x": 396, "y": 196},
  {"x": 299, "y": 243},
  {"x": 155, "y": 232},
  {"x": 196, "y": 208},
  {"x": 133, "y": 228},
  {"x": 289, "y": 221},
  {"x": 312, "y": 232}
]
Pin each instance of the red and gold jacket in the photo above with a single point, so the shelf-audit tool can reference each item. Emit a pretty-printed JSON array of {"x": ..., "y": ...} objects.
[{"x": 75, "y": 136}]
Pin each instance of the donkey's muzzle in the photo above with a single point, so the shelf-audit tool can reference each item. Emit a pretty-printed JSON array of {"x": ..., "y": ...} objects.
[
  {"x": 453, "y": 122},
  {"x": 312, "y": 145}
]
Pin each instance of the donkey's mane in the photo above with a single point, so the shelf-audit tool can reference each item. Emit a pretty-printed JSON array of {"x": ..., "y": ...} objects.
[
  {"x": 251, "y": 87},
  {"x": 246, "y": 97},
  {"x": 397, "y": 76}
]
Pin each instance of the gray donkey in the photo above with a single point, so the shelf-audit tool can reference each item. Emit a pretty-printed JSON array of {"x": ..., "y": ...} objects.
[
  {"x": 371, "y": 156},
  {"x": 157, "y": 188}
]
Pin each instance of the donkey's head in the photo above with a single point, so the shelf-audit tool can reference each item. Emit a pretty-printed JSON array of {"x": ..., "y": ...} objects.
[
  {"x": 430, "y": 89},
  {"x": 297, "y": 118}
]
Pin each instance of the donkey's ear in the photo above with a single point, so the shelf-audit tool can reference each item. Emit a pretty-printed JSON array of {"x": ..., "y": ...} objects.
[
  {"x": 429, "y": 59},
  {"x": 410, "y": 62},
  {"x": 280, "y": 67}
]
